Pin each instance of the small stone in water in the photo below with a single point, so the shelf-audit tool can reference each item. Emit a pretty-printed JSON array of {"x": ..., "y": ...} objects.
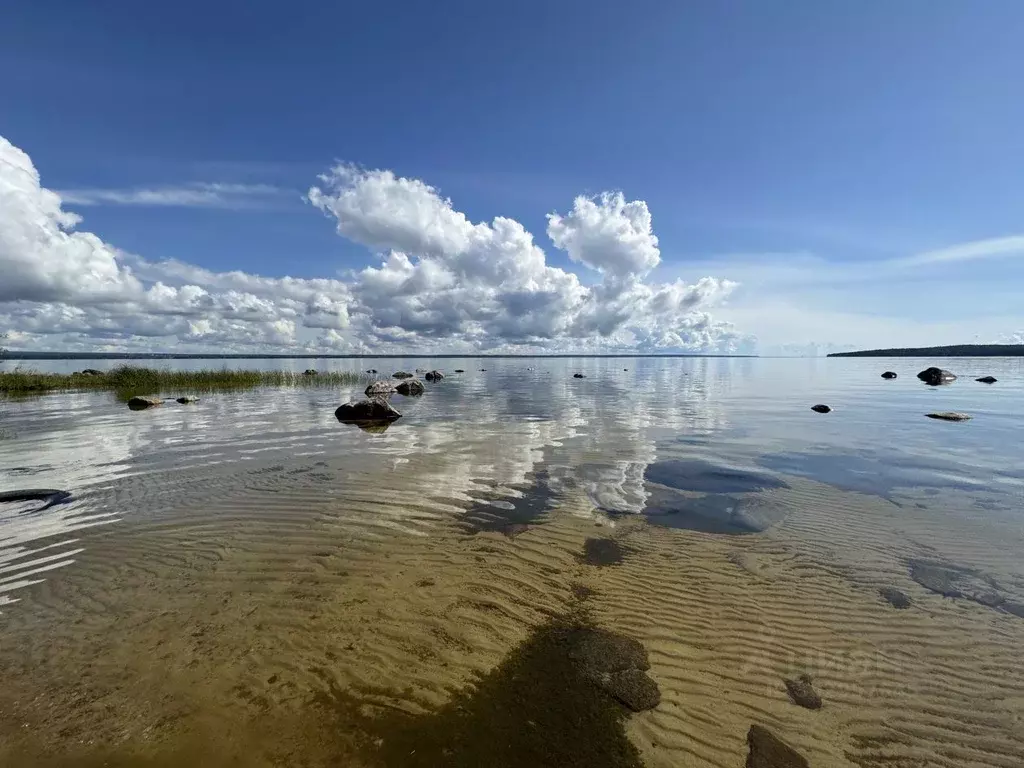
[{"x": 819, "y": 408}]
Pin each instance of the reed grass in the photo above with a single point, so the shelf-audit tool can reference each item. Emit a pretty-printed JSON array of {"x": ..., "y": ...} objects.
[{"x": 137, "y": 380}]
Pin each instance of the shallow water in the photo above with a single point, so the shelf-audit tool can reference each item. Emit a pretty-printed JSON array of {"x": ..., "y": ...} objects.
[{"x": 212, "y": 548}]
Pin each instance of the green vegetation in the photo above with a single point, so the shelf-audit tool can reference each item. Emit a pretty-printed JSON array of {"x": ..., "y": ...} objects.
[
  {"x": 132, "y": 380},
  {"x": 957, "y": 350}
]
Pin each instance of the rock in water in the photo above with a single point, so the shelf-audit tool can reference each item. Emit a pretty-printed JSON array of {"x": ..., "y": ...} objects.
[
  {"x": 410, "y": 387},
  {"x": 309, "y": 372},
  {"x": 802, "y": 692},
  {"x": 401, "y": 375},
  {"x": 371, "y": 370},
  {"x": 434, "y": 376},
  {"x": 371, "y": 410},
  {"x": 92, "y": 372},
  {"x": 935, "y": 376},
  {"x": 459, "y": 370},
  {"x": 987, "y": 379},
  {"x": 142, "y": 403},
  {"x": 889, "y": 375},
  {"x": 578, "y": 376},
  {"x": 895, "y": 597},
  {"x": 949, "y": 416},
  {"x": 187, "y": 399},
  {"x": 616, "y": 664},
  {"x": 819, "y": 408},
  {"x": 769, "y": 751},
  {"x": 379, "y": 389}
]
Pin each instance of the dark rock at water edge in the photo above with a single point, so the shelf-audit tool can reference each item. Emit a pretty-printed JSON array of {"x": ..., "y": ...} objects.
[
  {"x": 459, "y": 370},
  {"x": 371, "y": 370},
  {"x": 802, "y": 692},
  {"x": 372, "y": 410},
  {"x": 410, "y": 387},
  {"x": 482, "y": 370},
  {"x": 92, "y": 372},
  {"x": 987, "y": 379},
  {"x": 935, "y": 376},
  {"x": 434, "y": 376},
  {"x": 309, "y": 372},
  {"x": 578, "y": 376},
  {"x": 766, "y": 750},
  {"x": 820, "y": 408},
  {"x": 187, "y": 399},
  {"x": 51, "y": 496},
  {"x": 142, "y": 403},
  {"x": 401, "y": 375},
  {"x": 949, "y": 416},
  {"x": 895, "y": 598},
  {"x": 889, "y": 375},
  {"x": 380, "y": 388},
  {"x": 602, "y": 552}
]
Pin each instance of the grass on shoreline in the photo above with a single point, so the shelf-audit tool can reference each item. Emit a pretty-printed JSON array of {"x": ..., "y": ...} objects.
[{"x": 136, "y": 380}]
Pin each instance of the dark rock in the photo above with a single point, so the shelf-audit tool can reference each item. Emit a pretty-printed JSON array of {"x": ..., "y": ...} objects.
[
  {"x": 49, "y": 495},
  {"x": 819, "y": 408},
  {"x": 483, "y": 369},
  {"x": 371, "y": 370},
  {"x": 141, "y": 403},
  {"x": 410, "y": 387},
  {"x": 401, "y": 375},
  {"x": 187, "y": 399},
  {"x": 578, "y": 376},
  {"x": 889, "y": 375},
  {"x": 766, "y": 750},
  {"x": 987, "y": 379},
  {"x": 310, "y": 372},
  {"x": 895, "y": 597},
  {"x": 949, "y": 416},
  {"x": 92, "y": 372},
  {"x": 935, "y": 376},
  {"x": 434, "y": 376},
  {"x": 371, "y": 410},
  {"x": 459, "y": 370},
  {"x": 633, "y": 688},
  {"x": 802, "y": 692},
  {"x": 601, "y": 552},
  {"x": 381, "y": 388},
  {"x": 625, "y": 369}
]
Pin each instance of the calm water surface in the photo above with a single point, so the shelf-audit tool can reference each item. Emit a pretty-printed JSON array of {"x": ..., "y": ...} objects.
[{"x": 495, "y": 451}]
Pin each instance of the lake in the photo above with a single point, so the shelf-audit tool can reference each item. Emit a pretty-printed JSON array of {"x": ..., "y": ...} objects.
[{"x": 246, "y": 581}]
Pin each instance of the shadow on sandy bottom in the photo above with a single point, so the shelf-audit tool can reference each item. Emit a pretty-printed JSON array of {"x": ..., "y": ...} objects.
[{"x": 536, "y": 708}]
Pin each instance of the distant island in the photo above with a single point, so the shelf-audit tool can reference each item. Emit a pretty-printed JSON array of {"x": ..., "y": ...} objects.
[{"x": 955, "y": 350}]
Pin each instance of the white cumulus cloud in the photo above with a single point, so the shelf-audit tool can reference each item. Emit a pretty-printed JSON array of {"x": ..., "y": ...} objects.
[{"x": 440, "y": 281}]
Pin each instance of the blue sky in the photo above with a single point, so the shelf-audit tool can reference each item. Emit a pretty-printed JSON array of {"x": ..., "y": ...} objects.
[{"x": 809, "y": 151}]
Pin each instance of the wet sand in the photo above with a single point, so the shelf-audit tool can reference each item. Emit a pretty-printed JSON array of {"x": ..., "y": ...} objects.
[{"x": 342, "y": 611}]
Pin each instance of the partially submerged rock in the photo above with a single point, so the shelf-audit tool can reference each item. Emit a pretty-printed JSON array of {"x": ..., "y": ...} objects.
[
  {"x": 187, "y": 399},
  {"x": 459, "y": 370},
  {"x": 766, "y": 750},
  {"x": 371, "y": 370},
  {"x": 379, "y": 388},
  {"x": 889, "y": 375},
  {"x": 617, "y": 665},
  {"x": 401, "y": 375},
  {"x": 935, "y": 376},
  {"x": 821, "y": 408},
  {"x": 50, "y": 496},
  {"x": 310, "y": 372},
  {"x": 434, "y": 376},
  {"x": 92, "y": 372},
  {"x": 374, "y": 409},
  {"x": 410, "y": 387},
  {"x": 578, "y": 376},
  {"x": 949, "y": 416},
  {"x": 987, "y": 379},
  {"x": 895, "y": 597},
  {"x": 142, "y": 403},
  {"x": 802, "y": 692}
]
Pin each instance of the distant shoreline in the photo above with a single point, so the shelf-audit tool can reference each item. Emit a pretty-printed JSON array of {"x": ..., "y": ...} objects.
[
  {"x": 956, "y": 350},
  {"x": 15, "y": 355}
]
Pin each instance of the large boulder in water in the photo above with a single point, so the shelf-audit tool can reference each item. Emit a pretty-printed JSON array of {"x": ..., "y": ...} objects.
[
  {"x": 380, "y": 389},
  {"x": 935, "y": 376},
  {"x": 142, "y": 403},
  {"x": 434, "y": 376},
  {"x": 889, "y": 375},
  {"x": 410, "y": 387},
  {"x": 375, "y": 409}
]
